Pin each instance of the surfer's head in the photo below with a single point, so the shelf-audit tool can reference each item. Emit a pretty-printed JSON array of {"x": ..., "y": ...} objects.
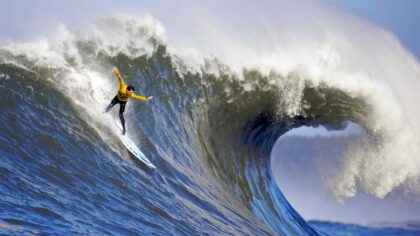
[{"x": 130, "y": 90}]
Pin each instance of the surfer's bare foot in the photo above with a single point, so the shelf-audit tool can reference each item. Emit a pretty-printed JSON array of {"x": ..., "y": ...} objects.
[{"x": 123, "y": 132}]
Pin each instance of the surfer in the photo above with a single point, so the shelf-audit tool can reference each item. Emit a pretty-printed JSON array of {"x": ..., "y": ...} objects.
[{"x": 124, "y": 93}]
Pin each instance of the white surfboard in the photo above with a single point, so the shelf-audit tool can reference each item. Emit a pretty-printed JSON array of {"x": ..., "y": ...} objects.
[{"x": 129, "y": 144}]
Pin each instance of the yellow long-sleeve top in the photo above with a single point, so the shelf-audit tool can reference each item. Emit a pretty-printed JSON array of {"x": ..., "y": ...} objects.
[{"x": 122, "y": 92}]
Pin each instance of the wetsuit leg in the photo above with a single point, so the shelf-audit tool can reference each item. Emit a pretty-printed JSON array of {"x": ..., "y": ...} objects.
[
  {"x": 113, "y": 102},
  {"x": 122, "y": 108}
]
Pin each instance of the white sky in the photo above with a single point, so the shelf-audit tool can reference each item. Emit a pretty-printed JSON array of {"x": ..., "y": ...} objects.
[{"x": 25, "y": 19}]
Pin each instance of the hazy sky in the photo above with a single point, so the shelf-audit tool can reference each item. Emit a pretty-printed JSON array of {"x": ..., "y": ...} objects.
[
  {"x": 400, "y": 17},
  {"x": 24, "y": 19}
]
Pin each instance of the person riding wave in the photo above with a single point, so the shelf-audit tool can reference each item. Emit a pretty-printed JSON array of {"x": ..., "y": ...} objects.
[{"x": 124, "y": 93}]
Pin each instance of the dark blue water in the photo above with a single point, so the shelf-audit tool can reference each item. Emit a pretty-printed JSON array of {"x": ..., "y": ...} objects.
[
  {"x": 64, "y": 171},
  {"x": 332, "y": 228}
]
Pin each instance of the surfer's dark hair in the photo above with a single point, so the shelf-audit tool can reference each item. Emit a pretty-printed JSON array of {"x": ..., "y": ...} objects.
[{"x": 131, "y": 88}]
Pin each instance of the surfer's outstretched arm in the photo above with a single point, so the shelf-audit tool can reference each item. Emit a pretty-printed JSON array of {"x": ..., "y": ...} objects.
[
  {"x": 120, "y": 79},
  {"x": 141, "y": 98}
]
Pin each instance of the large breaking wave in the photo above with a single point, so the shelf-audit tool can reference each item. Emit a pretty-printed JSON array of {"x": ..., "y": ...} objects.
[{"x": 210, "y": 129}]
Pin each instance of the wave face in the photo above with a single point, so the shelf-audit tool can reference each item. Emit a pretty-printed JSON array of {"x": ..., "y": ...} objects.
[{"x": 209, "y": 131}]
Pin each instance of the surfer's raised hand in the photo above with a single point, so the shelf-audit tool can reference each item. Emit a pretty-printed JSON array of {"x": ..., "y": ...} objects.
[
  {"x": 150, "y": 97},
  {"x": 116, "y": 71}
]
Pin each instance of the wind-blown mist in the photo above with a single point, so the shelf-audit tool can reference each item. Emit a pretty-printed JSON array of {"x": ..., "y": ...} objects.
[
  {"x": 337, "y": 49},
  {"x": 304, "y": 162}
]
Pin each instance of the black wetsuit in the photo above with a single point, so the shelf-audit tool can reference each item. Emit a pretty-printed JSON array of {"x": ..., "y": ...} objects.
[{"x": 122, "y": 108}]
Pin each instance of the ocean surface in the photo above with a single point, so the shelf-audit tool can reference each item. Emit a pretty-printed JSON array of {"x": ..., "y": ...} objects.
[{"x": 209, "y": 131}]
